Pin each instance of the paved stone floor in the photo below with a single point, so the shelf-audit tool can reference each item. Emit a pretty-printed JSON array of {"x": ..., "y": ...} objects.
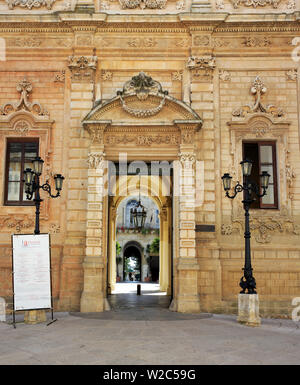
[{"x": 143, "y": 331}]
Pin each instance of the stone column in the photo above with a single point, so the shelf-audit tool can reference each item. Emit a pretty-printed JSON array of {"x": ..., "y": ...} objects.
[
  {"x": 80, "y": 80},
  {"x": 112, "y": 247},
  {"x": 186, "y": 298},
  {"x": 93, "y": 296},
  {"x": 164, "y": 253}
]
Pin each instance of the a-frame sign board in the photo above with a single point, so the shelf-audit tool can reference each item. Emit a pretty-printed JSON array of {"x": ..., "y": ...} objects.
[{"x": 31, "y": 266}]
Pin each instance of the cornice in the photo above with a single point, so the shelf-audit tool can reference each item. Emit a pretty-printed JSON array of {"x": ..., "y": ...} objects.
[{"x": 181, "y": 23}]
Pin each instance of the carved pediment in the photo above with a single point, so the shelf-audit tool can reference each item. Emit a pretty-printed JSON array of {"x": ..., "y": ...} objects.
[
  {"x": 142, "y": 100},
  {"x": 23, "y": 115}
]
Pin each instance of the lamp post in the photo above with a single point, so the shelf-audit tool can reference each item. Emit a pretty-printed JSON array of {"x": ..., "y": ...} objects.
[
  {"x": 32, "y": 187},
  {"x": 251, "y": 192}
]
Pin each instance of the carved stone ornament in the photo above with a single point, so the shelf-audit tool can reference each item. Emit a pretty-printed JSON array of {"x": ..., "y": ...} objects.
[
  {"x": 225, "y": 76},
  {"x": 255, "y": 3},
  {"x": 60, "y": 77},
  {"x": 142, "y": 140},
  {"x": 30, "y": 3},
  {"x": 258, "y": 89},
  {"x": 202, "y": 67},
  {"x": 151, "y": 4},
  {"x": 291, "y": 75},
  {"x": 187, "y": 159},
  {"x": 96, "y": 160},
  {"x": 16, "y": 222},
  {"x": 142, "y": 86},
  {"x": 255, "y": 41},
  {"x": 25, "y": 88},
  {"x": 262, "y": 226},
  {"x": 22, "y": 127},
  {"x": 82, "y": 67}
]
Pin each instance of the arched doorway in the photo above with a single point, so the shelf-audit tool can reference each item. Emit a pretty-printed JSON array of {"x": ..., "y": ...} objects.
[
  {"x": 132, "y": 263},
  {"x": 142, "y": 123}
]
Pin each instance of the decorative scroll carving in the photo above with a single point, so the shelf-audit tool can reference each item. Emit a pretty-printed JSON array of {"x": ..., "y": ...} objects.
[
  {"x": 83, "y": 67},
  {"x": 291, "y": 75},
  {"x": 106, "y": 75},
  {"x": 258, "y": 89},
  {"x": 96, "y": 160},
  {"x": 225, "y": 76},
  {"x": 254, "y": 41},
  {"x": 177, "y": 76},
  {"x": 151, "y": 4},
  {"x": 180, "y": 5},
  {"x": 146, "y": 42},
  {"x": 143, "y": 140},
  {"x": 220, "y": 4},
  {"x": 54, "y": 228},
  {"x": 16, "y": 222},
  {"x": 202, "y": 67},
  {"x": 26, "y": 42},
  {"x": 201, "y": 62},
  {"x": 22, "y": 127},
  {"x": 60, "y": 77},
  {"x": 30, "y": 3},
  {"x": 96, "y": 133},
  {"x": 187, "y": 159},
  {"x": 25, "y": 88},
  {"x": 263, "y": 226},
  {"x": 142, "y": 86},
  {"x": 201, "y": 40},
  {"x": 255, "y": 3},
  {"x": 187, "y": 136}
]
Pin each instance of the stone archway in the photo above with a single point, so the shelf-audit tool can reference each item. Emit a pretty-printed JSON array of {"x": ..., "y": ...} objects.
[
  {"x": 145, "y": 123},
  {"x": 133, "y": 248}
]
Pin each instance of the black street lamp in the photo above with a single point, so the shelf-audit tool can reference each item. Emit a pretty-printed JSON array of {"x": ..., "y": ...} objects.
[
  {"x": 32, "y": 186},
  {"x": 138, "y": 213},
  {"x": 251, "y": 191}
]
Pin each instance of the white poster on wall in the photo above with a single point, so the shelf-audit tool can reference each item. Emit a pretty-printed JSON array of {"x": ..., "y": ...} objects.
[{"x": 31, "y": 268}]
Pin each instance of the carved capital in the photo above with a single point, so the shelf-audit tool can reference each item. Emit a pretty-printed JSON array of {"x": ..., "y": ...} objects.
[
  {"x": 96, "y": 160},
  {"x": 202, "y": 67},
  {"x": 187, "y": 159},
  {"x": 82, "y": 68}
]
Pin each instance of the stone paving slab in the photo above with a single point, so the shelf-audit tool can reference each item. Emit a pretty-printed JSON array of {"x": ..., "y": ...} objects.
[{"x": 156, "y": 336}]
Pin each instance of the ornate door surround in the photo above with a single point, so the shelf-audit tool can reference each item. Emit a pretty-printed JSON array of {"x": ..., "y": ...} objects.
[{"x": 142, "y": 123}]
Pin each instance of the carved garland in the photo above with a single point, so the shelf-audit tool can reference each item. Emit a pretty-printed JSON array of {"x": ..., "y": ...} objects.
[{"x": 142, "y": 86}]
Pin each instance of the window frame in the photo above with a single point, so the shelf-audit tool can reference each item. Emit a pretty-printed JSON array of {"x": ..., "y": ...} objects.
[
  {"x": 273, "y": 144},
  {"x": 17, "y": 140}
]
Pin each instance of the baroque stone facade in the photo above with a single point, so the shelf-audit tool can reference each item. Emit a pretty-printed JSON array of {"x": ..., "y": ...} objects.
[{"x": 190, "y": 88}]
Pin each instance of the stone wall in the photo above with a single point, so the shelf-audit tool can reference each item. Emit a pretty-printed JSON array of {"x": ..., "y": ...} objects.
[{"x": 209, "y": 65}]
